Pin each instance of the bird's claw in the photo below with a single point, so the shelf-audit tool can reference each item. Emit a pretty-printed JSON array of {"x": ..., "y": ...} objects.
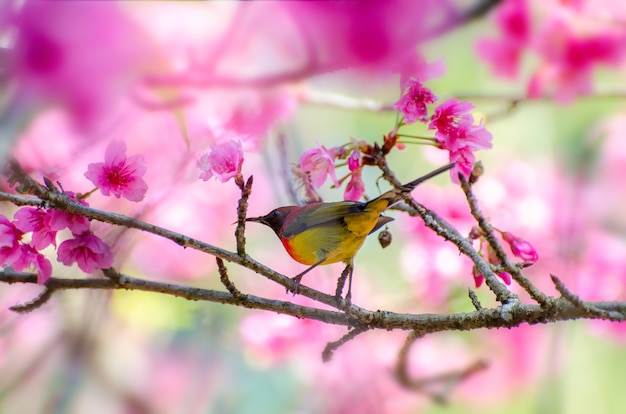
[{"x": 296, "y": 284}]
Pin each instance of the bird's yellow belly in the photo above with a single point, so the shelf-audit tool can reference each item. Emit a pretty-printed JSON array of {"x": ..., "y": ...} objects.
[{"x": 327, "y": 244}]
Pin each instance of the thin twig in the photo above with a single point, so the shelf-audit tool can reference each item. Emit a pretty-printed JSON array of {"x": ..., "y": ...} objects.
[
  {"x": 39, "y": 301},
  {"x": 474, "y": 299},
  {"x": 242, "y": 209},
  {"x": 230, "y": 286},
  {"x": 331, "y": 347},
  {"x": 587, "y": 307}
]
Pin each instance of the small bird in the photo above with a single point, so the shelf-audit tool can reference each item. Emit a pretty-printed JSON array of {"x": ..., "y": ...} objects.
[{"x": 323, "y": 233}]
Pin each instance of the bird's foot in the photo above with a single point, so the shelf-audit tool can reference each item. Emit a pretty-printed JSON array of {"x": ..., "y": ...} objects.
[{"x": 296, "y": 284}]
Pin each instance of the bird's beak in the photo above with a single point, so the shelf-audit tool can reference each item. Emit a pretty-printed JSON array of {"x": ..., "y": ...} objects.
[{"x": 261, "y": 220}]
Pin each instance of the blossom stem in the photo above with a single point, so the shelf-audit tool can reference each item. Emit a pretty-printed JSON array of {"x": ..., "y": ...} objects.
[
  {"x": 87, "y": 194},
  {"x": 431, "y": 139},
  {"x": 434, "y": 144}
]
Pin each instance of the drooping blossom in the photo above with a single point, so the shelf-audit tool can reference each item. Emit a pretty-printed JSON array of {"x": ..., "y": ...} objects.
[
  {"x": 223, "y": 162},
  {"x": 57, "y": 220},
  {"x": 30, "y": 258},
  {"x": 413, "y": 104},
  {"x": 355, "y": 187},
  {"x": 9, "y": 242},
  {"x": 118, "y": 174},
  {"x": 504, "y": 54},
  {"x": 319, "y": 163},
  {"x": 520, "y": 247},
  {"x": 87, "y": 251},
  {"x": 479, "y": 278},
  {"x": 29, "y": 219}
]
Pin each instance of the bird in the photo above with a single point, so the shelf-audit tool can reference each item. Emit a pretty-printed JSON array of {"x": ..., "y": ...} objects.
[{"x": 323, "y": 233}]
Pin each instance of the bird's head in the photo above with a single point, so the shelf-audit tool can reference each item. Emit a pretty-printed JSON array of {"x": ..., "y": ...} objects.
[{"x": 274, "y": 219}]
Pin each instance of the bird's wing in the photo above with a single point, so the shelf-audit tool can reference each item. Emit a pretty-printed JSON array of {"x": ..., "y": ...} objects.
[{"x": 325, "y": 214}]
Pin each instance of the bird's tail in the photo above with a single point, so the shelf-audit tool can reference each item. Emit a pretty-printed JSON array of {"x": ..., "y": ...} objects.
[
  {"x": 396, "y": 195},
  {"x": 408, "y": 187}
]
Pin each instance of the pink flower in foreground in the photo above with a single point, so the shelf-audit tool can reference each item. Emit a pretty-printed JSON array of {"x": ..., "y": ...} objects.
[
  {"x": 81, "y": 55},
  {"x": 413, "y": 103},
  {"x": 57, "y": 220},
  {"x": 223, "y": 162},
  {"x": 520, "y": 247},
  {"x": 513, "y": 20},
  {"x": 119, "y": 175},
  {"x": 30, "y": 257},
  {"x": 87, "y": 251},
  {"x": 318, "y": 163},
  {"x": 9, "y": 242},
  {"x": 29, "y": 219}
]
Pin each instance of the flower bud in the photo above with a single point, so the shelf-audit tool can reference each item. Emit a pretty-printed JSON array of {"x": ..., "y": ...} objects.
[{"x": 520, "y": 247}]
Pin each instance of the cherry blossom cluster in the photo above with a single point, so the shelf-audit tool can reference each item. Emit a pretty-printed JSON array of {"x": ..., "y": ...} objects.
[
  {"x": 519, "y": 247},
  {"x": 118, "y": 175},
  {"x": 454, "y": 126}
]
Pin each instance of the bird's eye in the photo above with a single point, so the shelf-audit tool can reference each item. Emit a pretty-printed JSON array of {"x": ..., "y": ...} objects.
[{"x": 275, "y": 213}]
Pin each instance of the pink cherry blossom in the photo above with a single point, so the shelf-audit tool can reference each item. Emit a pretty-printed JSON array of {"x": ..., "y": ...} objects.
[
  {"x": 223, "y": 162},
  {"x": 35, "y": 220},
  {"x": 355, "y": 187},
  {"x": 413, "y": 103},
  {"x": 87, "y": 251},
  {"x": 354, "y": 160},
  {"x": 57, "y": 220},
  {"x": 449, "y": 114},
  {"x": 9, "y": 242},
  {"x": 520, "y": 247},
  {"x": 30, "y": 258},
  {"x": 461, "y": 141},
  {"x": 513, "y": 20},
  {"x": 119, "y": 175},
  {"x": 318, "y": 163}
]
